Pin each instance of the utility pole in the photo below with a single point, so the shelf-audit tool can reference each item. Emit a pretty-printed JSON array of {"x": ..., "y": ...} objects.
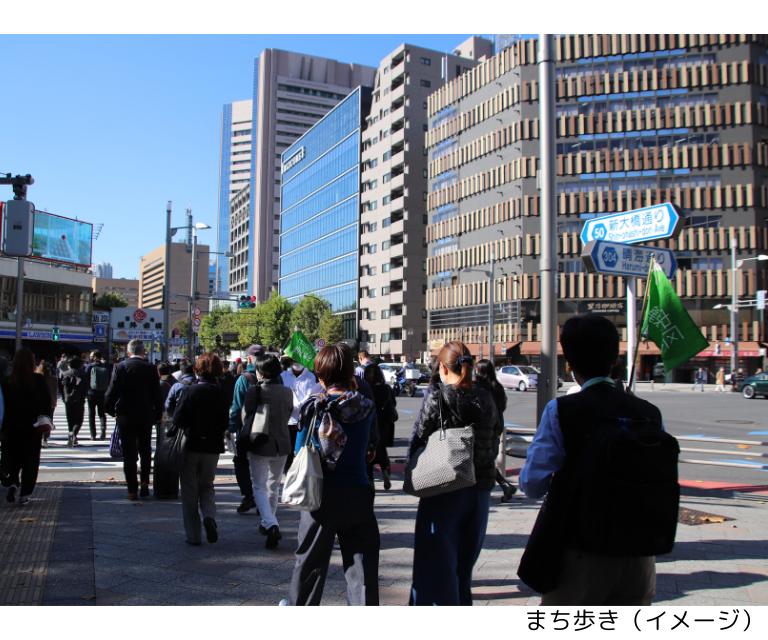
[
  {"x": 734, "y": 310},
  {"x": 490, "y": 310},
  {"x": 191, "y": 350},
  {"x": 19, "y": 184},
  {"x": 547, "y": 382},
  {"x": 167, "y": 286}
]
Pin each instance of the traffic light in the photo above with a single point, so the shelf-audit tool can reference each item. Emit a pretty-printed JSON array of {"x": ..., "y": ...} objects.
[
  {"x": 247, "y": 302},
  {"x": 718, "y": 349},
  {"x": 55, "y": 334}
]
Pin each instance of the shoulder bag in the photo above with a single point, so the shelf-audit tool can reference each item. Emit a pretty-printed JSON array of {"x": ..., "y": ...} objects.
[
  {"x": 170, "y": 453},
  {"x": 444, "y": 464},
  {"x": 115, "y": 446},
  {"x": 303, "y": 488},
  {"x": 388, "y": 410}
]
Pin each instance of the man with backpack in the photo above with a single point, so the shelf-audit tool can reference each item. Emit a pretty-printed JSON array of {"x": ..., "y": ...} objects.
[
  {"x": 610, "y": 474},
  {"x": 240, "y": 460},
  {"x": 98, "y": 375}
]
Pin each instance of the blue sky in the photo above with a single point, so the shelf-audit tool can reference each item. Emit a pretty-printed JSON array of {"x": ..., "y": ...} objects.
[{"x": 111, "y": 127}]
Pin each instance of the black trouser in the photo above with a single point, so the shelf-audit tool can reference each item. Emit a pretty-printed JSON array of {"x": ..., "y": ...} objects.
[
  {"x": 348, "y": 513},
  {"x": 381, "y": 459},
  {"x": 294, "y": 430},
  {"x": 75, "y": 414},
  {"x": 243, "y": 473},
  {"x": 21, "y": 461},
  {"x": 96, "y": 403},
  {"x": 136, "y": 442}
]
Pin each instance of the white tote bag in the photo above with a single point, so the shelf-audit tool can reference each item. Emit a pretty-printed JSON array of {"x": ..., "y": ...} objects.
[{"x": 303, "y": 488}]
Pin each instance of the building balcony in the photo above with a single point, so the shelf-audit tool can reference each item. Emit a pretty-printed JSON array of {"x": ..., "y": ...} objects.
[
  {"x": 397, "y": 182},
  {"x": 396, "y": 274},
  {"x": 396, "y": 227},
  {"x": 396, "y": 297},
  {"x": 399, "y": 92},
  {"x": 397, "y": 137},
  {"x": 396, "y": 322},
  {"x": 398, "y": 159}
]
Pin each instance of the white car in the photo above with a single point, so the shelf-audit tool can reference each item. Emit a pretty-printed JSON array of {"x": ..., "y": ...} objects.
[
  {"x": 390, "y": 373},
  {"x": 517, "y": 377}
]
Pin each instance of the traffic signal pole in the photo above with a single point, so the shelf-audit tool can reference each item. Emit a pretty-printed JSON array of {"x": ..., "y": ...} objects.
[{"x": 19, "y": 184}]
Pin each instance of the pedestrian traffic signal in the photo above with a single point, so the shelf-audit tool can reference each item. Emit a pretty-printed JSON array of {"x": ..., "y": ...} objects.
[
  {"x": 718, "y": 349},
  {"x": 247, "y": 302},
  {"x": 55, "y": 334}
]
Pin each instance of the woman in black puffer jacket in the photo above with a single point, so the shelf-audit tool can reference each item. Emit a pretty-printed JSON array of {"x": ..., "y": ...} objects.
[{"x": 450, "y": 528}]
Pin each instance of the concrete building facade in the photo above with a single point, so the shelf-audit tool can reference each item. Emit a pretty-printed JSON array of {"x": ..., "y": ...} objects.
[
  {"x": 641, "y": 120},
  {"x": 128, "y": 288},
  {"x": 291, "y": 92},
  {"x": 152, "y": 279},
  {"x": 393, "y": 277}
]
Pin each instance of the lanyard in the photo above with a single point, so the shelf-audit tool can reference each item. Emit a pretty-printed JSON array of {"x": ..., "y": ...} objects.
[{"x": 595, "y": 381}]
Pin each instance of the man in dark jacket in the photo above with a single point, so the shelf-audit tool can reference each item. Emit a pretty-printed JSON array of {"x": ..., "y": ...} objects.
[
  {"x": 187, "y": 378},
  {"x": 134, "y": 399},
  {"x": 591, "y": 348},
  {"x": 98, "y": 382}
]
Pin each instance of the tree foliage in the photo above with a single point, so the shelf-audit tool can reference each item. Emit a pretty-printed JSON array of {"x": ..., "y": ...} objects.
[
  {"x": 307, "y": 314},
  {"x": 275, "y": 320},
  {"x": 331, "y": 328},
  {"x": 111, "y": 300},
  {"x": 183, "y": 326},
  {"x": 212, "y": 326}
]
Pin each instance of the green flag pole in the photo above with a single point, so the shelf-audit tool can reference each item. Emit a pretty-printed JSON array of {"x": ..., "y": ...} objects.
[{"x": 641, "y": 319}]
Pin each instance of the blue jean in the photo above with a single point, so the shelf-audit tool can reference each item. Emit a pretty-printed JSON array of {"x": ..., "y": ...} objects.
[
  {"x": 450, "y": 530},
  {"x": 701, "y": 382}
]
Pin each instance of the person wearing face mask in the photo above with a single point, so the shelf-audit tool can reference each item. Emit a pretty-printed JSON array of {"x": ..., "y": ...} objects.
[{"x": 300, "y": 380}]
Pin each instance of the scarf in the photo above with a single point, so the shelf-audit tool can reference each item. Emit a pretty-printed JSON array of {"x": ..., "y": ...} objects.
[{"x": 350, "y": 407}]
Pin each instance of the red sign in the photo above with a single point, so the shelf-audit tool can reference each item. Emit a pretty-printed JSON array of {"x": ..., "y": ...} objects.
[{"x": 139, "y": 315}]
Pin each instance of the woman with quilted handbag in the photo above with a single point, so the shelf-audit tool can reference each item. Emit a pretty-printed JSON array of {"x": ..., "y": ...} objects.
[
  {"x": 340, "y": 420},
  {"x": 386, "y": 414},
  {"x": 451, "y": 465}
]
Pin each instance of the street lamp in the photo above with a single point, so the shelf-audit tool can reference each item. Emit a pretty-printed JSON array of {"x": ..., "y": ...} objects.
[{"x": 193, "y": 291}]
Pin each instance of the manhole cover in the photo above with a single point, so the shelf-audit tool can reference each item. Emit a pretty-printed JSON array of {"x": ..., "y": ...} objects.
[
  {"x": 734, "y": 421},
  {"x": 693, "y": 517}
]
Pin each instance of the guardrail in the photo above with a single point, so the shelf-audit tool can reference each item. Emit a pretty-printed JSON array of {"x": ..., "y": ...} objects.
[{"x": 518, "y": 440}]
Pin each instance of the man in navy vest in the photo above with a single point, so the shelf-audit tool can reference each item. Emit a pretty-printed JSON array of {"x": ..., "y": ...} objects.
[{"x": 580, "y": 575}]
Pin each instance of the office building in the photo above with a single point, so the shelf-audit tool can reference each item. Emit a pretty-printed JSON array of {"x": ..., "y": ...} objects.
[
  {"x": 152, "y": 279},
  {"x": 393, "y": 277},
  {"x": 101, "y": 270},
  {"x": 320, "y": 196},
  {"x": 291, "y": 92},
  {"x": 125, "y": 287},
  {"x": 641, "y": 120}
]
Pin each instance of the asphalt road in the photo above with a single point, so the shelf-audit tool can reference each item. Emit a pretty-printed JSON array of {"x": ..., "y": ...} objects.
[{"x": 685, "y": 414}]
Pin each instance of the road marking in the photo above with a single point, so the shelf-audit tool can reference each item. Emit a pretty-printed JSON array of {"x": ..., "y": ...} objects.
[
  {"x": 699, "y": 435},
  {"x": 756, "y": 465},
  {"x": 403, "y": 411},
  {"x": 758, "y": 433}
]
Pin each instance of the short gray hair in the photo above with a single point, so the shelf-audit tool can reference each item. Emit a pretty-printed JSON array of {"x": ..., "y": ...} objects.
[{"x": 136, "y": 347}]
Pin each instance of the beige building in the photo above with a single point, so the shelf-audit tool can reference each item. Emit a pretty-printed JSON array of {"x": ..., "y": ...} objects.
[
  {"x": 393, "y": 195},
  {"x": 152, "y": 278},
  {"x": 125, "y": 287}
]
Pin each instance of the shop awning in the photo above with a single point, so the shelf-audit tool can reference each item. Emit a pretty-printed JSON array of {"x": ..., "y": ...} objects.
[{"x": 746, "y": 350}]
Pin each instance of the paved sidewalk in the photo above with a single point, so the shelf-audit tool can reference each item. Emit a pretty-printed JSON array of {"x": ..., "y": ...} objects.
[{"x": 88, "y": 545}]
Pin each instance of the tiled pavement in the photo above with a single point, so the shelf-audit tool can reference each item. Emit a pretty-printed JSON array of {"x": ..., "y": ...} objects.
[{"x": 107, "y": 550}]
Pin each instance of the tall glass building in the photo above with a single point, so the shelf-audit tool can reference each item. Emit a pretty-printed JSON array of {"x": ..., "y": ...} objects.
[{"x": 320, "y": 205}]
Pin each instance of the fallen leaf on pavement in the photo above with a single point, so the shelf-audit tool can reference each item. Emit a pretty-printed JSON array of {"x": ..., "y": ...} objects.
[
  {"x": 27, "y": 519},
  {"x": 110, "y": 478},
  {"x": 88, "y": 597},
  {"x": 234, "y": 584},
  {"x": 137, "y": 504},
  {"x": 714, "y": 519},
  {"x": 743, "y": 446},
  {"x": 699, "y": 481}
]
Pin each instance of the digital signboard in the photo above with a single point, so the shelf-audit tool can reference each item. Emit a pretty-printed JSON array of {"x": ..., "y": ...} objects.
[{"x": 62, "y": 240}]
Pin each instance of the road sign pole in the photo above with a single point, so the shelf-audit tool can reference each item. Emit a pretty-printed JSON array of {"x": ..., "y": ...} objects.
[
  {"x": 631, "y": 328},
  {"x": 734, "y": 310}
]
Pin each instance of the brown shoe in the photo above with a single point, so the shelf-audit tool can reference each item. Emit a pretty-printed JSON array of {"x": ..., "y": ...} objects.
[{"x": 133, "y": 496}]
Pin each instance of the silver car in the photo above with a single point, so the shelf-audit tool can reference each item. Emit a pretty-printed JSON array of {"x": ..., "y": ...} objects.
[{"x": 517, "y": 377}]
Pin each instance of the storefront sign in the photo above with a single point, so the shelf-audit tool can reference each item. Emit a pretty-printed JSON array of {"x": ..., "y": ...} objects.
[
  {"x": 130, "y": 323},
  {"x": 100, "y": 317},
  {"x": 100, "y": 332},
  {"x": 610, "y": 308},
  {"x": 294, "y": 160}
]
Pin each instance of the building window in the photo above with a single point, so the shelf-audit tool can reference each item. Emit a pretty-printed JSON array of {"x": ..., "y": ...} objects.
[
  {"x": 425, "y": 83},
  {"x": 386, "y": 134},
  {"x": 372, "y": 248},
  {"x": 385, "y": 268},
  {"x": 425, "y": 219},
  {"x": 424, "y": 265},
  {"x": 426, "y": 127},
  {"x": 373, "y": 205},
  {"x": 423, "y": 313},
  {"x": 385, "y": 245},
  {"x": 375, "y": 140},
  {"x": 384, "y": 292},
  {"x": 425, "y": 173},
  {"x": 424, "y": 196},
  {"x": 386, "y": 91},
  {"x": 386, "y": 177},
  {"x": 424, "y": 338},
  {"x": 424, "y": 289},
  {"x": 385, "y": 337},
  {"x": 371, "y": 293},
  {"x": 426, "y": 61},
  {"x": 372, "y": 226},
  {"x": 387, "y": 221},
  {"x": 424, "y": 106},
  {"x": 386, "y": 69},
  {"x": 372, "y": 338},
  {"x": 372, "y": 184},
  {"x": 386, "y": 199},
  {"x": 372, "y": 163},
  {"x": 387, "y": 155},
  {"x": 371, "y": 271},
  {"x": 386, "y": 112}
]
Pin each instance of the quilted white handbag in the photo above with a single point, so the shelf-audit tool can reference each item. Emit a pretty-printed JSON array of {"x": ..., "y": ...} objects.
[{"x": 303, "y": 488}]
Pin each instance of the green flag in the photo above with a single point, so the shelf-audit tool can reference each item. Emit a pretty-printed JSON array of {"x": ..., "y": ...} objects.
[
  {"x": 301, "y": 350},
  {"x": 668, "y": 324}
]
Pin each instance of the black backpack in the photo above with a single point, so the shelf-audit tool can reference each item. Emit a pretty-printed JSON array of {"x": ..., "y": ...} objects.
[{"x": 625, "y": 492}]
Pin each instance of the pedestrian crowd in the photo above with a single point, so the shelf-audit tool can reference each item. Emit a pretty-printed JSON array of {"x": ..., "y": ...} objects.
[{"x": 321, "y": 432}]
